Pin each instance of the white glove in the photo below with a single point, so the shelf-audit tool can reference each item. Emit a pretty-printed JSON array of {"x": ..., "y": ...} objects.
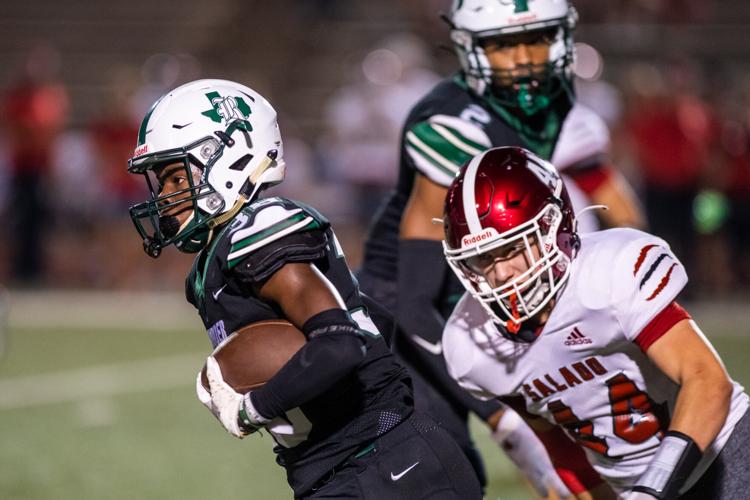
[
  {"x": 527, "y": 452},
  {"x": 226, "y": 401},
  {"x": 204, "y": 396}
]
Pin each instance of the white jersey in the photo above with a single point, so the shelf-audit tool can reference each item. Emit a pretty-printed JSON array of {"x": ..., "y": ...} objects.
[
  {"x": 584, "y": 135},
  {"x": 586, "y": 370}
]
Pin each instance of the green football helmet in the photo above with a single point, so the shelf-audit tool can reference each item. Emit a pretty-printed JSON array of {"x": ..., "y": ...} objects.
[
  {"x": 473, "y": 22},
  {"x": 226, "y": 138}
]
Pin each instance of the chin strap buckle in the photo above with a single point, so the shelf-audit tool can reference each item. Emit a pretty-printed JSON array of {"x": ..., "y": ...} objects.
[
  {"x": 151, "y": 247},
  {"x": 512, "y": 326}
]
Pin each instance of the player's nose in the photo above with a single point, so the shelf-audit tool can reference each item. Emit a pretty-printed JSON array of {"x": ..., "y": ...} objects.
[
  {"x": 522, "y": 56},
  {"x": 501, "y": 272},
  {"x": 167, "y": 195}
]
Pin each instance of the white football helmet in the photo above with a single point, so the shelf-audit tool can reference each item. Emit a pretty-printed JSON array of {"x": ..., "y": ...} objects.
[
  {"x": 225, "y": 136},
  {"x": 473, "y": 21}
]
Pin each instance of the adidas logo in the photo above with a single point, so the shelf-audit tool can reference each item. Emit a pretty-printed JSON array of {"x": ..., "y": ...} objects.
[{"x": 577, "y": 338}]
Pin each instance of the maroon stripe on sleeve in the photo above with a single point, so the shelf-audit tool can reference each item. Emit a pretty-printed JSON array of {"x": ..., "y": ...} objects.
[
  {"x": 641, "y": 258},
  {"x": 664, "y": 281},
  {"x": 662, "y": 322}
]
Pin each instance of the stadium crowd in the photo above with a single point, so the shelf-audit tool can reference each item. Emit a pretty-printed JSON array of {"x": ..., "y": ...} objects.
[{"x": 64, "y": 190}]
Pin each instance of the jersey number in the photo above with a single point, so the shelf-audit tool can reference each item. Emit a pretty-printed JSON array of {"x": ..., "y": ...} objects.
[{"x": 636, "y": 417}]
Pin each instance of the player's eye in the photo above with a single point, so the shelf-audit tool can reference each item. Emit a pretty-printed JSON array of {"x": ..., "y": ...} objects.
[
  {"x": 541, "y": 37},
  {"x": 479, "y": 263},
  {"x": 499, "y": 44}
]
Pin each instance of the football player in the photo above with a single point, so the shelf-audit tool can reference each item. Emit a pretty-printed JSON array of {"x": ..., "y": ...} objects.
[
  {"x": 341, "y": 410},
  {"x": 514, "y": 88},
  {"x": 582, "y": 332}
]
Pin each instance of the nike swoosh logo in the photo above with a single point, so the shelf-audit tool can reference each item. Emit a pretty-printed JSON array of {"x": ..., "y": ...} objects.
[
  {"x": 436, "y": 348},
  {"x": 218, "y": 292},
  {"x": 178, "y": 127},
  {"x": 396, "y": 477}
]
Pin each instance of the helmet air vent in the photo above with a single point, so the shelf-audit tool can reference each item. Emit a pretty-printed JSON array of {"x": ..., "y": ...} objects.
[{"x": 241, "y": 163}]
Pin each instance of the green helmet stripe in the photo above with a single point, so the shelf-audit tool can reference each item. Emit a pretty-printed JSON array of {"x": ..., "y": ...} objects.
[{"x": 144, "y": 124}]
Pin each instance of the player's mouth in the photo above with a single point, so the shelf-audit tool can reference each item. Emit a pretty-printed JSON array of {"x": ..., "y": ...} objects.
[{"x": 172, "y": 219}]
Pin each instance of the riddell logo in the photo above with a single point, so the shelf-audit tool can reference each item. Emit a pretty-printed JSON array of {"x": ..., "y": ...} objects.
[
  {"x": 577, "y": 338},
  {"x": 141, "y": 150},
  {"x": 476, "y": 238}
]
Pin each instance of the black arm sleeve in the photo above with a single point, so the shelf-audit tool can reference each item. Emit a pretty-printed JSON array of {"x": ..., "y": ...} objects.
[
  {"x": 334, "y": 348},
  {"x": 422, "y": 270}
]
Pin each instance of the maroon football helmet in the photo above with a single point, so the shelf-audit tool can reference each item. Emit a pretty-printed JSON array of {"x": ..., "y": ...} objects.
[{"x": 508, "y": 197}]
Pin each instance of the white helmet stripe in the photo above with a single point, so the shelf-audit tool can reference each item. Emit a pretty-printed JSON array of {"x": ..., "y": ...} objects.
[{"x": 468, "y": 194}]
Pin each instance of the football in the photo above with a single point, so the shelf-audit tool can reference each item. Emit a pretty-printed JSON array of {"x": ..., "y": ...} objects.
[{"x": 255, "y": 353}]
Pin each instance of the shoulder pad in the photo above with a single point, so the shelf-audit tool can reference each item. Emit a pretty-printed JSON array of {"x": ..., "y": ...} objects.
[
  {"x": 440, "y": 145},
  {"x": 467, "y": 338},
  {"x": 584, "y": 136},
  {"x": 633, "y": 272},
  {"x": 264, "y": 222},
  {"x": 650, "y": 266}
]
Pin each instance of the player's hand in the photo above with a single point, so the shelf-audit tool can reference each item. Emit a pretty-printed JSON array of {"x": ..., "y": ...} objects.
[
  {"x": 525, "y": 450},
  {"x": 556, "y": 489},
  {"x": 226, "y": 401},
  {"x": 204, "y": 396}
]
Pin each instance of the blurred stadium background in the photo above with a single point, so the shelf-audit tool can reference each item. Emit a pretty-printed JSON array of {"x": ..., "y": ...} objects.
[{"x": 98, "y": 350}]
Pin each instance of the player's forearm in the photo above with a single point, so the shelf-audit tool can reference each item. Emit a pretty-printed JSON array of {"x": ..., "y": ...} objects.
[
  {"x": 702, "y": 407},
  {"x": 421, "y": 273},
  {"x": 421, "y": 276},
  {"x": 571, "y": 464},
  {"x": 623, "y": 208},
  {"x": 333, "y": 350}
]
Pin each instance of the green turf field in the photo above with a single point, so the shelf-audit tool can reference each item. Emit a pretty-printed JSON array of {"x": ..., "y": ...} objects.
[{"x": 101, "y": 413}]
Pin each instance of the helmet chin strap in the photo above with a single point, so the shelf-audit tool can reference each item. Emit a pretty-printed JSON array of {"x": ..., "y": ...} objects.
[
  {"x": 244, "y": 196},
  {"x": 513, "y": 326},
  {"x": 185, "y": 224},
  {"x": 537, "y": 294}
]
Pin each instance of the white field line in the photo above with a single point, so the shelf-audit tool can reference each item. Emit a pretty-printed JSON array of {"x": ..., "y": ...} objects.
[
  {"x": 100, "y": 381},
  {"x": 168, "y": 311},
  {"x": 52, "y": 309}
]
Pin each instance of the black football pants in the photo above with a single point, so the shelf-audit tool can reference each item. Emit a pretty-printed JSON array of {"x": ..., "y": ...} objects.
[
  {"x": 427, "y": 398},
  {"x": 728, "y": 477},
  {"x": 416, "y": 460}
]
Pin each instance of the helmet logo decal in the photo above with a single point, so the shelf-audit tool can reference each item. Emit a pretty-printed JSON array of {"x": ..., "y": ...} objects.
[
  {"x": 521, "y": 5},
  {"x": 545, "y": 173},
  {"x": 473, "y": 239},
  {"x": 226, "y": 109},
  {"x": 141, "y": 150}
]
